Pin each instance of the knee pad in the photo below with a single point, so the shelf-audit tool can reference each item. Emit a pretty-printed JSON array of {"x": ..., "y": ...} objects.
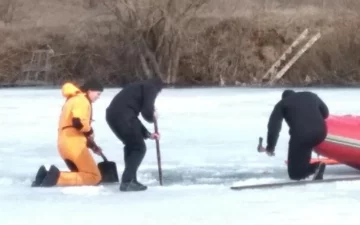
[{"x": 71, "y": 165}]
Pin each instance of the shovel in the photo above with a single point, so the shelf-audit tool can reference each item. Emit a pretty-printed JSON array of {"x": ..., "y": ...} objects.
[
  {"x": 107, "y": 168},
  {"x": 108, "y": 171}
]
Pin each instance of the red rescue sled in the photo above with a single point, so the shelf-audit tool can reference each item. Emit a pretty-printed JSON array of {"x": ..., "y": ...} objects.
[
  {"x": 327, "y": 161},
  {"x": 342, "y": 144}
]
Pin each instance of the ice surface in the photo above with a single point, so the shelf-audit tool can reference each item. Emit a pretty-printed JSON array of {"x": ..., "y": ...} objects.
[{"x": 209, "y": 139}]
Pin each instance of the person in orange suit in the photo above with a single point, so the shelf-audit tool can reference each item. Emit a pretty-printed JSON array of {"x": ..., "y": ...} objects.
[{"x": 75, "y": 137}]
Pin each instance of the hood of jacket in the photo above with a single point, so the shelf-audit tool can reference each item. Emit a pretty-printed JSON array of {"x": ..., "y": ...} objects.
[{"x": 69, "y": 90}]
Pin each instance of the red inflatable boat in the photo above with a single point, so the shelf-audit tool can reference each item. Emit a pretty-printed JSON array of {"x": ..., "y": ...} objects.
[{"x": 342, "y": 144}]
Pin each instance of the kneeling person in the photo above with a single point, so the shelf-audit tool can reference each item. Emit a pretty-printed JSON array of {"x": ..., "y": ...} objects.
[
  {"x": 75, "y": 136},
  {"x": 305, "y": 114}
]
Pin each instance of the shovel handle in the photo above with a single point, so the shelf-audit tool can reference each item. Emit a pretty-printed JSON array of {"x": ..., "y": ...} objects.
[
  {"x": 96, "y": 146},
  {"x": 103, "y": 156}
]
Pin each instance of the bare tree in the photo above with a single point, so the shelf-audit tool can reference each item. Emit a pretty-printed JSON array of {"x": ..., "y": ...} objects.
[
  {"x": 154, "y": 30},
  {"x": 90, "y": 3},
  {"x": 7, "y": 9}
]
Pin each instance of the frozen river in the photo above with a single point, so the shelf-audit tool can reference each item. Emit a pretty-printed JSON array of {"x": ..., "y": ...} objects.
[{"x": 209, "y": 139}]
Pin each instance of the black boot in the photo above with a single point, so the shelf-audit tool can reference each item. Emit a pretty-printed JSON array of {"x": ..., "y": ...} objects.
[
  {"x": 51, "y": 177},
  {"x": 140, "y": 184},
  {"x": 40, "y": 175},
  {"x": 319, "y": 172},
  {"x": 132, "y": 186}
]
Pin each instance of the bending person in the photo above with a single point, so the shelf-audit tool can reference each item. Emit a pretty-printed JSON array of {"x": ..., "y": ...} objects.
[
  {"x": 122, "y": 118},
  {"x": 305, "y": 114}
]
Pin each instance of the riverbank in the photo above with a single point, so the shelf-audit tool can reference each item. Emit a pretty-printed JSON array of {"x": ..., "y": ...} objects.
[
  {"x": 171, "y": 86},
  {"x": 231, "y": 43}
]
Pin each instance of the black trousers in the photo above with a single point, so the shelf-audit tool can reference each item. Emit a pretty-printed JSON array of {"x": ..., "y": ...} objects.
[
  {"x": 299, "y": 154},
  {"x": 129, "y": 133}
]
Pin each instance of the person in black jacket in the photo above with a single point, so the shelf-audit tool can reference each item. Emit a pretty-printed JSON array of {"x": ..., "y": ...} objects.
[
  {"x": 122, "y": 118},
  {"x": 305, "y": 114}
]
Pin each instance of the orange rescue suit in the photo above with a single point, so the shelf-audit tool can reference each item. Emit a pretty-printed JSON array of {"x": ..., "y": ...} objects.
[{"x": 74, "y": 126}]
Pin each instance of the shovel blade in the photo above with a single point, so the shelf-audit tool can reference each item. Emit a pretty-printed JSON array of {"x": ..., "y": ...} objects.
[{"x": 108, "y": 172}]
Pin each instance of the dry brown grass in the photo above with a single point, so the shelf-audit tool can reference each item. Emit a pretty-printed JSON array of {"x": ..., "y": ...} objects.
[{"x": 232, "y": 40}]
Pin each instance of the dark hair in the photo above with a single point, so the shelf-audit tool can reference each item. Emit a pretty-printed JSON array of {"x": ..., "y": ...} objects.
[{"x": 92, "y": 84}]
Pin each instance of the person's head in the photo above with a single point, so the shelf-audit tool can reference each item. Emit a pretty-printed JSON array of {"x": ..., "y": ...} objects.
[
  {"x": 156, "y": 83},
  {"x": 287, "y": 93},
  {"x": 93, "y": 89}
]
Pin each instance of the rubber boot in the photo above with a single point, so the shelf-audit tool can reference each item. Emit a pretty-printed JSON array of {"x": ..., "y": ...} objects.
[
  {"x": 319, "y": 172},
  {"x": 132, "y": 186},
  {"x": 51, "y": 177},
  {"x": 40, "y": 175},
  {"x": 140, "y": 184}
]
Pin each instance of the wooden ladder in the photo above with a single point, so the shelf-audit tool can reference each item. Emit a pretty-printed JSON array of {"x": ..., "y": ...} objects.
[
  {"x": 36, "y": 72},
  {"x": 275, "y": 72}
]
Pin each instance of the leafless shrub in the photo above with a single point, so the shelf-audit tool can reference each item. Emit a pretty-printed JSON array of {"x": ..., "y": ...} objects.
[
  {"x": 153, "y": 31},
  {"x": 91, "y": 3},
  {"x": 7, "y": 10},
  {"x": 189, "y": 42}
]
